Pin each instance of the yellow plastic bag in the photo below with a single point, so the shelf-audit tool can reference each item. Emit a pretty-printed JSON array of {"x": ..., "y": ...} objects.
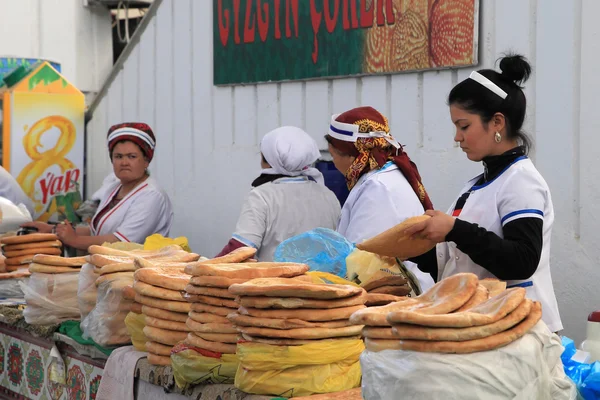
[
  {"x": 158, "y": 241},
  {"x": 191, "y": 367},
  {"x": 363, "y": 267},
  {"x": 326, "y": 277},
  {"x": 326, "y": 366},
  {"x": 135, "y": 324}
]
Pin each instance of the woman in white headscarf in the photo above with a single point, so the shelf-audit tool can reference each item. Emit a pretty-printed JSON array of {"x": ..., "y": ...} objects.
[{"x": 288, "y": 198}]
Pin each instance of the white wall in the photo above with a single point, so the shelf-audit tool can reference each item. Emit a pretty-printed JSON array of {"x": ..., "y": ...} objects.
[
  {"x": 208, "y": 136},
  {"x": 78, "y": 37}
]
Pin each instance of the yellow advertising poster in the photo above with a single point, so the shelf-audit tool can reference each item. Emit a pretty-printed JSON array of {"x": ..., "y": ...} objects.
[{"x": 46, "y": 149}]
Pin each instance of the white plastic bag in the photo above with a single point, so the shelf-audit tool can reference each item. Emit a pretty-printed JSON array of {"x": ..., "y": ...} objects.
[
  {"x": 87, "y": 290},
  {"x": 12, "y": 216},
  {"x": 50, "y": 298},
  {"x": 527, "y": 369},
  {"x": 105, "y": 325}
]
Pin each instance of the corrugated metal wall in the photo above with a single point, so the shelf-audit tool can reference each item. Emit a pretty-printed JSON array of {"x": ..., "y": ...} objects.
[{"x": 208, "y": 136}]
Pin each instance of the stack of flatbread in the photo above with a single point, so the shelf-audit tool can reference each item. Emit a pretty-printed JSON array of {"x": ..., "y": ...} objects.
[
  {"x": 459, "y": 314},
  {"x": 46, "y": 264},
  {"x": 19, "y": 250},
  {"x": 211, "y": 302},
  {"x": 386, "y": 290},
  {"x": 159, "y": 289},
  {"x": 117, "y": 294},
  {"x": 293, "y": 311}
]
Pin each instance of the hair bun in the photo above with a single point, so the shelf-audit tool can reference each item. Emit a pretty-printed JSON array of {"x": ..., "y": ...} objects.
[{"x": 516, "y": 68}]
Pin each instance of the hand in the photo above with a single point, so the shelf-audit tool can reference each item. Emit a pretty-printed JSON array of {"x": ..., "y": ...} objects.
[
  {"x": 66, "y": 233},
  {"x": 435, "y": 228},
  {"x": 42, "y": 227}
]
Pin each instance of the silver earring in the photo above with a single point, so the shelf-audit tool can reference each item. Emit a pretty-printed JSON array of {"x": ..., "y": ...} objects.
[{"x": 498, "y": 137}]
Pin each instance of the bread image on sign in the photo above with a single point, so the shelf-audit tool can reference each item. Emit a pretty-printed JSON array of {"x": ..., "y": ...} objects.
[{"x": 395, "y": 243}]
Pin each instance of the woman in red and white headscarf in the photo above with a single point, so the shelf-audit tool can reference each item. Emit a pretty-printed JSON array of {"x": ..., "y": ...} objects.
[
  {"x": 385, "y": 185},
  {"x": 133, "y": 207}
]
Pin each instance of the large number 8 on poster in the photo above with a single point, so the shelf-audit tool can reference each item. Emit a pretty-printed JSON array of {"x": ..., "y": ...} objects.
[{"x": 43, "y": 160}]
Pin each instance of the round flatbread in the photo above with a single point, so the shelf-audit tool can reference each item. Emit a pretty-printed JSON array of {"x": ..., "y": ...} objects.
[
  {"x": 124, "y": 276},
  {"x": 195, "y": 341},
  {"x": 35, "y": 245},
  {"x": 302, "y": 333},
  {"x": 206, "y": 318},
  {"x": 393, "y": 290},
  {"x": 166, "y": 324},
  {"x": 219, "y": 337},
  {"x": 245, "y": 320},
  {"x": 31, "y": 238},
  {"x": 215, "y": 281},
  {"x": 46, "y": 258},
  {"x": 164, "y": 336},
  {"x": 47, "y": 269},
  {"x": 158, "y": 349},
  {"x": 39, "y": 250},
  {"x": 282, "y": 287},
  {"x": 213, "y": 301},
  {"x": 116, "y": 267},
  {"x": 20, "y": 260},
  {"x": 156, "y": 359},
  {"x": 304, "y": 314},
  {"x": 295, "y": 302},
  {"x": 378, "y": 299},
  {"x": 170, "y": 305},
  {"x": 247, "y": 270},
  {"x": 293, "y": 342},
  {"x": 210, "y": 328},
  {"x": 168, "y": 277},
  {"x": 238, "y": 255},
  {"x": 207, "y": 308},
  {"x": 157, "y": 292},
  {"x": 210, "y": 291},
  {"x": 164, "y": 314}
]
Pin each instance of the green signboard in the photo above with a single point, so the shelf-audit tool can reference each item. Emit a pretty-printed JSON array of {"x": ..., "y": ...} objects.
[{"x": 277, "y": 40}]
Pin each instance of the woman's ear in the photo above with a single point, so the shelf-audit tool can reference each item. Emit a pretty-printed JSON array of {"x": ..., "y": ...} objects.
[{"x": 499, "y": 122}]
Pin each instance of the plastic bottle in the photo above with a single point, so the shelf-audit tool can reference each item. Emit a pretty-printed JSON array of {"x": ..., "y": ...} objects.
[{"x": 592, "y": 342}]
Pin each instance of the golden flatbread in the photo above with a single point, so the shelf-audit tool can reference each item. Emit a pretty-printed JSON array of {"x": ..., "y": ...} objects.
[
  {"x": 117, "y": 267},
  {"x": 164, "y": 336},
  {"x": 247, "y": 270},
  {"x": 395, "y": 243},
  {"x": 40, "y": 250},
  {"x": 169, "y": 305},
  {"x": 305, "y": 314},
  {"x": 155, "y": 359},
  {"x": 213, "y": 301},
  {"x": 486, "y": 313},
  {"x": 481, "y": 294},
  {"x": 195, "y": 341},
  {"x": 31, "y": 238},
  {"x": 166, "y": 324},
  {"x": 445, "y": 296},
  {"x": 100, "y": 260},
  {"x": 35, "y": 245},
  {"x": 378, "y": 299},
  {"x": 216, "y": 310},
  {"x": 20, "y": 260},
  {"x": 210, "y": 291},
  {"x": 168, "y": 278},
  {"x": 195, "y": 326},
  {"x": 215, "y": 281},
  {"x": 415, "y": 332},
  {"x": 128, "y": 292},
  {"x": 302, "y": 333},
  {"x": 295, "y": 302},
  {"x": 157, "y": 292},
  {"x": 393, "y": 290},
  {"x": 47, "y": 269},
  {"x": 294, "y": 342},
  {"x": 494, "y": 286},
  {"x": 159, "y": 349},
  {"x": 207, "y": 318},
  {"x": 245, "y": 320},
  {"x": 391, "y": 280},
  {"x": 48, "y": 259},
  {"x": 465, "y": 347},
  {"x": 219, "y": 337},
  {"x": 136, "y": 308},
  {"x": 282, "y": 287},
  {"x": 123, "y": 276},
  {"x": 164, "y": 314},
  {"x": 238, "y": 255}
]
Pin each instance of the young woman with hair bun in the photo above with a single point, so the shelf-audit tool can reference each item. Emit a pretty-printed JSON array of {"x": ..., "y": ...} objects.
[{"x": 501, "y": 223}]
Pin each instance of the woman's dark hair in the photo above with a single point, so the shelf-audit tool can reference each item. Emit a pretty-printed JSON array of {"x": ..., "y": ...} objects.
[{"x": 471, "y": 96}]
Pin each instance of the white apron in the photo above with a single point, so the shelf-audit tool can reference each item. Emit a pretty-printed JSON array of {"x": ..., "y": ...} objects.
[
  {"x": 146, "y": 210},
  {"x": 518, "y": 192}
]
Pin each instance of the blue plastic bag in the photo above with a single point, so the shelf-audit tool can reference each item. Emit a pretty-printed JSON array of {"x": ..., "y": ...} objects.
[
  {"x": 585, "y": 376},
  {"x": 321, "y": 249}
]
